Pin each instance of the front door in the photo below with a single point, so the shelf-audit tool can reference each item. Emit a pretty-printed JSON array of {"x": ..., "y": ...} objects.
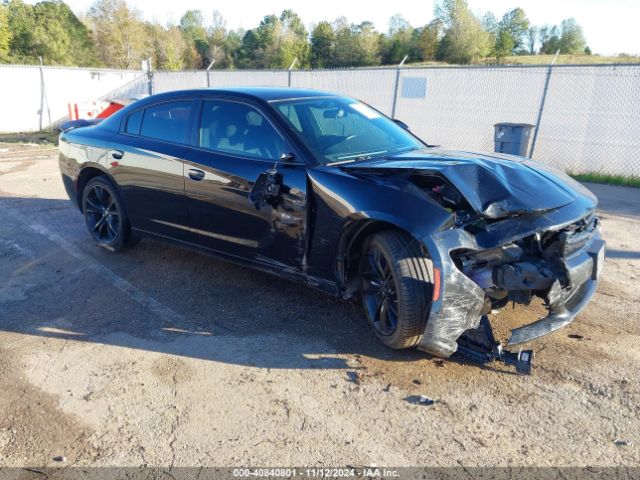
[{"x": 235, "y": 144}]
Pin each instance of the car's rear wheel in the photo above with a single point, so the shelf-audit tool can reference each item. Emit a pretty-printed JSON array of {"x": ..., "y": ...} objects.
[
  {"x": 396, "y": 288},
  {"x": 104, "y": 214}
]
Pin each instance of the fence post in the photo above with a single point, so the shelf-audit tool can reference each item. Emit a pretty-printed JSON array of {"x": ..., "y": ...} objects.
[
  {"x": 43, "y": 97},
  {"x": 542, "y": 102},
  {"x": 289, "y": 71},
  {"x": 209, "y": 68},
  {"x": 146, "y": 66},
  {"x": 395, "y": 88}
]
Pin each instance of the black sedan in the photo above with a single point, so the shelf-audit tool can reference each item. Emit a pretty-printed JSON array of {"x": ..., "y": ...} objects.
[{"x": 323, "y": 189}]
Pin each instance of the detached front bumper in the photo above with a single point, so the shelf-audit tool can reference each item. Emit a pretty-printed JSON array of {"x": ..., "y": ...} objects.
[
  {"x": 462, "y": 301},
  {"x": 584, "y": 272}
]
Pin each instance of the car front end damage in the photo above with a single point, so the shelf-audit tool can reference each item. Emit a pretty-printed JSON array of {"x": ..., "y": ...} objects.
[
  {"x": 541, "y": 255},
  {"x": 516, "y": 229}
]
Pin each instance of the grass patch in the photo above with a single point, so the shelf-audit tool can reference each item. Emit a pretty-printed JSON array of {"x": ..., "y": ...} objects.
[
  {"x": 39, "y": 138},
  {"x": 626, "y": 181},
  {"x": 546, "y": 60},
  {"x": 568, "y": 59}
]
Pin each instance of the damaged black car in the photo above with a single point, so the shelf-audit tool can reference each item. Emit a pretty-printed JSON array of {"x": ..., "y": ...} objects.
[{"x": 325, "y": 190}]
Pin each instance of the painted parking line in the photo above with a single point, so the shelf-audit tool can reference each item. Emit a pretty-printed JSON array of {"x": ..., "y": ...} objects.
[{"x": 147, "y": 302}]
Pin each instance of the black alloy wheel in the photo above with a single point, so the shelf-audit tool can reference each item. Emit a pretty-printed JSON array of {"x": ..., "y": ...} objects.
[
  {"x": 379, "y": 292},
  {"x": 104, "y": 214}
]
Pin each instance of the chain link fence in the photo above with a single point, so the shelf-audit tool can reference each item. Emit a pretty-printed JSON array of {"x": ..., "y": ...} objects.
[{"x": 589, "y": 116}]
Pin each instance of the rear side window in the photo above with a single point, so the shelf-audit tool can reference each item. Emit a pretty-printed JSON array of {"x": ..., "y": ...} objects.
[
  {"x": 133, "y": 122},
  {"x": 167, "y": 121}
]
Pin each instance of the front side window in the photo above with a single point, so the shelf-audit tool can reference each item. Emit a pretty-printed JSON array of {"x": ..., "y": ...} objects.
[
  {"x": 342, "y": 129},
  {"x": 238, "y": 129},
  {"x": 167, "y": 121}
]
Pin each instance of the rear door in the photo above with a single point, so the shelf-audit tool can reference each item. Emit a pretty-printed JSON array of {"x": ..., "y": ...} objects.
[
  {"x": 236, "y": 142},
  {"x": 147, "y": 163}
]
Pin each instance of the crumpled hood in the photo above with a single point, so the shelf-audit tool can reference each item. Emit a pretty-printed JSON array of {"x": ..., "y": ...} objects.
[{"x": 495, "y": 185}]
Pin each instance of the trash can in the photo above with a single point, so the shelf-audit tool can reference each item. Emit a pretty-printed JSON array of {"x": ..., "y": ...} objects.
[{"x": 513, "y": 138}]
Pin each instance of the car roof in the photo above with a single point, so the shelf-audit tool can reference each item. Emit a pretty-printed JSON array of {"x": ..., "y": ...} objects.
[
  {"x": 260, "y": 94},
  {"x": 267, "y": 94}
]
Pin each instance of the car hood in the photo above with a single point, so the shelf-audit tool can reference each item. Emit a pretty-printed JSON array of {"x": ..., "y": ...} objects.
[{"x": 495, "y": 185}]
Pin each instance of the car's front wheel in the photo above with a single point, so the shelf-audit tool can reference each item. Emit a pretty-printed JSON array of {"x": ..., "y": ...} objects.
[
  {"x": 396, "y": 287},
  {"x": 104, "y": 214}
]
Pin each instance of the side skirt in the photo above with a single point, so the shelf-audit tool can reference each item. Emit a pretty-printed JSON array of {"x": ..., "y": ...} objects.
[{"x": 321, "y": 284}]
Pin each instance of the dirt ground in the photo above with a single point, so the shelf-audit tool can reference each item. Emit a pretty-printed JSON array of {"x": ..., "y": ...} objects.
[{"x": 162, "y": 357}]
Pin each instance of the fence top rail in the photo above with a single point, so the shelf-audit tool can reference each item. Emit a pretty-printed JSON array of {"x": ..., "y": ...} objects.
[
  {"x": 335, "y": 69},
  {"x": 66, "y": 67},
  {"x": 416, "y": 67}
]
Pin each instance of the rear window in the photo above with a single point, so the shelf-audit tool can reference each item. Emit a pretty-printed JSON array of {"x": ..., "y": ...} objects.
[
  {"x": 167, "y": 121},
  {"x": 133, "y": 122}
]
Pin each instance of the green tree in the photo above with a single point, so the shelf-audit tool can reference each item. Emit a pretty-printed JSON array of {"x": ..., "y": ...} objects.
[
  {"x": 367, "y": 44},
  {"x": 195, "y": 35},
  {"x": 398, "y": 42},
  {"x": 549, "y": 39},
  {"x": 346, "y": 52},
  {"x": 169, "y": 47},
  {"x": 294, "y": 41},
  {"x": 5, "y": 31},
  {"x": 276, "y": 42},
  {"x": 511, "y": 33},
  {"x": 233, "y": 47},
  {"x": 322, "y": 45},
  {"x": 504, "y": 45},
  {"x": 21, "y": 24},
  {"x": 532, "y": 38},
  {"x": 572, "y": 38},
  {"x": 217, "y": 35},
  {"x": 120, "y": 35},
  {"x": 464, "y": 40},
  {"x": 425, "y": 41},
  {"x": 49, "y": 30}
]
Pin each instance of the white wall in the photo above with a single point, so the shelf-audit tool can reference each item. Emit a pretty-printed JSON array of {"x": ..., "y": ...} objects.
[{"x": 20, "y": 92}]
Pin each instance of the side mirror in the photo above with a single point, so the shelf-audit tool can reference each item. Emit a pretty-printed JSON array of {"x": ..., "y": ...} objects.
[
  {"x": 401, "y": 123},
  {"x": 266, "y": 189}
]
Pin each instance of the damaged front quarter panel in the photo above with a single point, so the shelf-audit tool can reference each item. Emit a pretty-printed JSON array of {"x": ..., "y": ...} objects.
[{"x": 460, "y": 300}]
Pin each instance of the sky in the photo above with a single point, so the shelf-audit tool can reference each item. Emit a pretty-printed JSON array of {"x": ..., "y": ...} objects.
[{"x": 610, "y": 26}]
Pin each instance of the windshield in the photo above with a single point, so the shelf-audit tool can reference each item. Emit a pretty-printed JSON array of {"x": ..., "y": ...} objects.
[{"x": 343, "y": 129}]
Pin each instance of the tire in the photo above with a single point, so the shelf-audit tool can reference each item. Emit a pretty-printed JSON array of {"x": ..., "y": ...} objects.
[
  {"x": 104, "y": 214},
  {"x": 395, "y": 273}
]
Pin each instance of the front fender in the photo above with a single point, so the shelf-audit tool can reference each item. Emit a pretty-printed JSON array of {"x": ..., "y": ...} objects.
[
  {"x": 459, "y": 300},
  {"x": 341, "y": 202}
]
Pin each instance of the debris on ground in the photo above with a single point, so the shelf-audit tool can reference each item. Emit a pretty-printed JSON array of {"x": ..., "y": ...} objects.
[
  {"x": 59, "y": 458},
  {"x": 575, "y": 336},
  {"x": 354, "y": 377},
  {"x": 420, "y": 400},
  {"x": 621, "y": 443}
]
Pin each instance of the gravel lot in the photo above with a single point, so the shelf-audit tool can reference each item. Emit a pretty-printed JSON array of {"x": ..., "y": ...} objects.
[{"x": 163, "y": 357}]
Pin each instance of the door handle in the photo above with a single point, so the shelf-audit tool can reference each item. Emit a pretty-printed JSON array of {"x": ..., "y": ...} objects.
[
  {"x": 195, "y": 174},
  {"x": 117, "y": 154}
]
